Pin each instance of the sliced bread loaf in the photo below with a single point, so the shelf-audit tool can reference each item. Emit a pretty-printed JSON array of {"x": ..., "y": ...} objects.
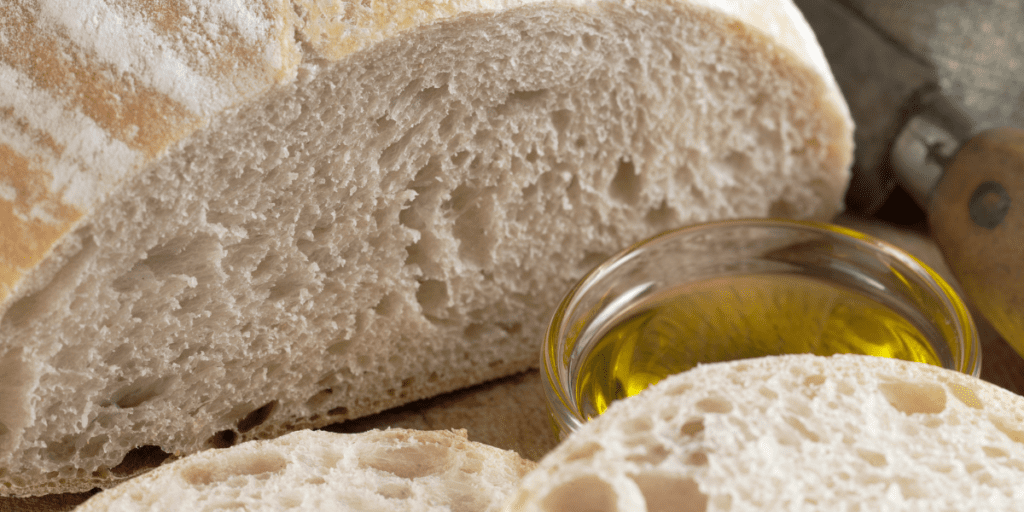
[
  {"x": 385, "y": 470},
  {"x": 227, "y": 220},
  {"x": 801, "y": 432}
]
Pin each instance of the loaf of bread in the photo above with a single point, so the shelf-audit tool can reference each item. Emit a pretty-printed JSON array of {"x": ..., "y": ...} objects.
[
  {"x": 800, "y": 432},
  {"x": 228, "y": 220},
  {"x": 397, "y": 469}
]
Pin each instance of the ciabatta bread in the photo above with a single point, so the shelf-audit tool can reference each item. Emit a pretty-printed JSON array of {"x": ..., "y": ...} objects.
[
  {"x": 802, "y": 432},
  {"x": 385, "y": 470},
  {"x": 228, "y": 220}
]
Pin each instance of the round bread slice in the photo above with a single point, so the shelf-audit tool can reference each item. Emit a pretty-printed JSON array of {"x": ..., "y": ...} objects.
[
  {"x": 395, "y": 469},
  {"x": 800, "y": 432}
]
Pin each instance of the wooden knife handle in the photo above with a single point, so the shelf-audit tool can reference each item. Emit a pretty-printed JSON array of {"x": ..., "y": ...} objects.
[{"x": 977, "y": 217}]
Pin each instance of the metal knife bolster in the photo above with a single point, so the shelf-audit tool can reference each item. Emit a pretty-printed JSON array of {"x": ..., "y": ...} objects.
[{"x": 934, "y": 131}]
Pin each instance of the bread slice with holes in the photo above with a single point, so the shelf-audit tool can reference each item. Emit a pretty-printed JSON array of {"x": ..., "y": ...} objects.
[
  {"x": 800, "y": 432},
  {"x": 229, "y": 220},
  {"x": 385, "y": 470}
]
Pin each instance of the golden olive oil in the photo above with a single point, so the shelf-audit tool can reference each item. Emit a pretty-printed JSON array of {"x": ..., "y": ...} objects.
[{"x": 736, "y": 318}]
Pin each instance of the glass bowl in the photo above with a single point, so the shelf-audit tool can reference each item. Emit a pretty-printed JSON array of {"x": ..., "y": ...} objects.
[{"x": 745, "y": 288}]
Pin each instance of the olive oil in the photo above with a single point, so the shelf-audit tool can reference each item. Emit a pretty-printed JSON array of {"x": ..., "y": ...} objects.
[{"x": 740, "y": 317}]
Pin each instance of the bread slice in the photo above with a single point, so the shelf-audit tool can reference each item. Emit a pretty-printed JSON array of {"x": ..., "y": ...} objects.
[
  {"x": 226, "y": 221},
  {"x": 799, "y": 432},
  {"x": 396, "y": 469}
]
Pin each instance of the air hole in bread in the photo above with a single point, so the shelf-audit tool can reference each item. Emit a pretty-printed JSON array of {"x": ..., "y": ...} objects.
[
  {"x": 911, "y": 489},
  {"x": 670, "y": 493},
  {"x": 390, "y": 155},
  {"x": 915, "y": 398},
  {"x": 785, "y": 436},
  {"x": 318, "y": 399},
  {"x": 965, "y": 395},
  {"x": 222, "y": 439},
  {"x": 625, "y": 186},
  {"x": 585, "y": 451},
  {"x": 432, "y": 295},
  {"x": 663, "y": 217},
  {"x": 993, "y": 451},
  {"x": 872, "y": 457},
  {"x": 474, "y": 214},
  {"x": 266, "y": 267},
  {"x": 257, "y": 417},
  {"x": 574, "y": 192},
  {"x": 385, "y": 127},
  {"x": 287, "y": 287},
  {"x": 652, "y": 453},
  {"x": 388, "y": 305},
  {"x": 140, "y": 458},
  {"x": 340, "y": 346},
  {"x": 142, "y": 391},
  {"x": 418, "y": 253},
  {"x": 472, "y": 465},
  {"x": 640, "y": 425},
  {"x": 189, "y": 254},
  {"x": 61, "y": 450},
  {"x": 395, "y": 490},
  {"x": 814, "y": 380},
  {"x": 692, "y": 428},
  {"x": 560, "y": 119},
  {"x": 768, "y": 393},
  {"x": 414, "y": 461},
  {"x": 524, "y": 99},
  {"x": 697, "y": 459},
  {"x": 457, "y": 159},
  {"x": 714, "y": 404},
  {"x": 678, "y": 389},
  {"x": 338, "y": 411},
  {"x": 475, "y": 331},
  {"x": 233, "y": 464},
  {"x": 1004, "y": 426},
  {"x": 801, "y": 407},
  {"x": 801, "y": 428},
  {"x": 431, "y": 95},
  {"x": 29, "y": 308},
  {"x": 589, "y": 493}
]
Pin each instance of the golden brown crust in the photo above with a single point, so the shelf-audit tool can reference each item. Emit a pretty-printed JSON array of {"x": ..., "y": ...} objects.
[
  {"x": 131, "y": 106},
  {"x": 35, "y": 234}
]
